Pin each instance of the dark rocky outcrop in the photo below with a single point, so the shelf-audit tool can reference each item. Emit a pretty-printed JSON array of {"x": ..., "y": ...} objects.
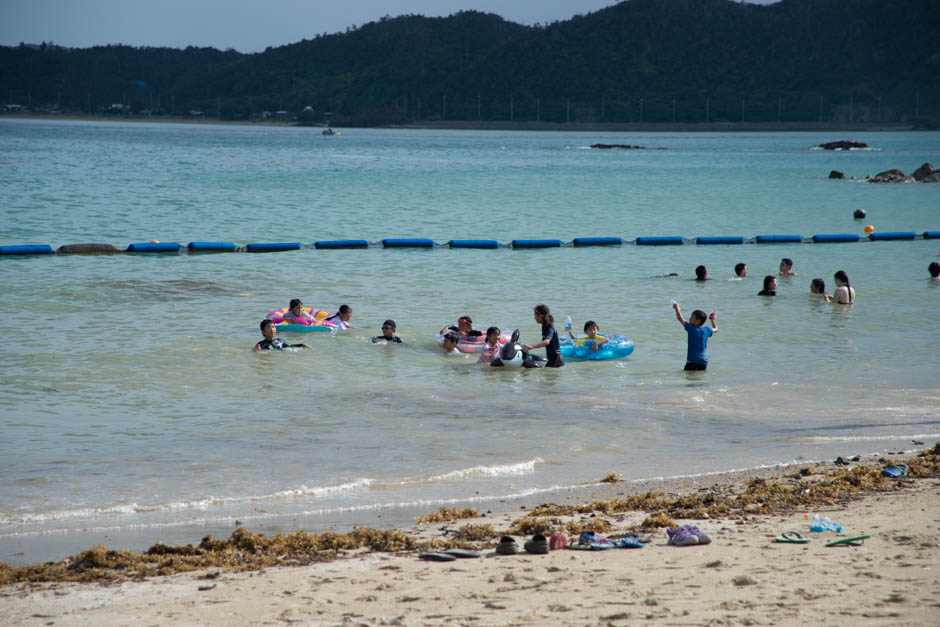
[
  {"x": 890, "y": 176},
  {"x": 617, "y": 147},
  {"x": 845, "y": 144},
  {"x": 926, "y": 174},
  {"x": 835, "y": 174}
]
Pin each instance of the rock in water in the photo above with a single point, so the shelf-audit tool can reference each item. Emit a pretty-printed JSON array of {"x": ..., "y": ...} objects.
[
  {"x": 835, "y": 174},
  {"x": 845, "y": 144}
]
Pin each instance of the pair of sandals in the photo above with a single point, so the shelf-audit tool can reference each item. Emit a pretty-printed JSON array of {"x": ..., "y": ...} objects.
[
  {"x": 794, "y": 537},
  {"x": 537, "y": 545}
]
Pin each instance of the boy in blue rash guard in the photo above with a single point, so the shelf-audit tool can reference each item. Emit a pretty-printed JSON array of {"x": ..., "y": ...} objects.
[
  {"x": 696, "y": 357},
  {"x": 271, "y": 343}
]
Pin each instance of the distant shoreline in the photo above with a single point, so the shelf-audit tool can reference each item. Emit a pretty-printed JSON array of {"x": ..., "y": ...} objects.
[{"x": 606, "y": 127}]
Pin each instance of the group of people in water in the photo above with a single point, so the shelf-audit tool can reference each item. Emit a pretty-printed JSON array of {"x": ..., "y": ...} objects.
[{"x": 844, "y": 293}]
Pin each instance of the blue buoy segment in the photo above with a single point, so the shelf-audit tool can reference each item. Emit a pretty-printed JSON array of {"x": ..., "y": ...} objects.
[
  {"x": 832, "y": 238},
  {"x": 931, "y": 234},
  {"x": 597, "y": 241},
  {"x": 473, "y": 243},
  {"x": 337, "y": 244},
  {"x": 272, "y": 247},
  {"x": 408, "y": 243},
  {"x": 212, "y": 247},
  {"x": 154, "y": 247},
  {"x": 876, "y": 237},
  {"x": 660, "y": 241},
  {"x": 536, "y": 243},
  {"x": 719, "y": 240},
  {"x": 779, "y": 239},
  {"x": 27, "y": 249}
]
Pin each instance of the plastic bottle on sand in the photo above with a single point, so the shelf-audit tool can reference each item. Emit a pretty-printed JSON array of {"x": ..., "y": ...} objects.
[{"x": 821, "y": 523}]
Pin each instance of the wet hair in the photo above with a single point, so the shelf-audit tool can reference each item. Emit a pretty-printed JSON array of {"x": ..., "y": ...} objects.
[
  {"x": 819, "y": 285},
  {"x": 451, "y": 337},
  {"x": 265, "y": 323},
  {"x": 547, "y": 318},
  {"x": 787, "y": 262},
  {"x": 589, "y": 324},
  {"x": 389, "y": 323},
  {"x": 768, "y": 280},
  {"x": 345, "y": 309},
  {"x": 934, "y": 269},
  {"x": 492, "y": 330},
  {"x": 700, "y": 273},
  {"x": 698, "y": 314},
  {"x": 738, "y": 267},
  {"x": 294, "y": 302},
  {"x": 842, "y": 276}
]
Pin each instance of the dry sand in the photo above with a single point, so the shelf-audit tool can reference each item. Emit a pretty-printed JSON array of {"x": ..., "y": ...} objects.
[{"x": 742, "y": 577}]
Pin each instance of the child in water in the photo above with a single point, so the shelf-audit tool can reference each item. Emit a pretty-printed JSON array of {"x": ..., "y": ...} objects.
[
  {"x": 549, "y": 337},
  {"x": 786, "y": 267},
  {"x": 449, "y": 343},
  {"x": 490, "y": 346},
  {"x": 388, "y": 334},
  {"x": 818, "y": 286},
  {"x": 341, "y": 317},
  {"x": 696, "y": 357},
  {"x": 770, "y": 286},
  {"x": 271, "y": 343},
  {"x": 296, "y": 314},
  {"x": 591, "y": 329}
]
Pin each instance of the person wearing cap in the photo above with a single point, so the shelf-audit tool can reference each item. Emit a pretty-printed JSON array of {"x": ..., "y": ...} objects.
[{"x": 388, "y": 334}]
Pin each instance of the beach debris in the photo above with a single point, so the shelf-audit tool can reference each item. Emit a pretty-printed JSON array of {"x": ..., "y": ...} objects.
[
  {"x": 447, "y": 514},
  {"x": 475, "y": 533},
  {"x": 611, "y": 477}
]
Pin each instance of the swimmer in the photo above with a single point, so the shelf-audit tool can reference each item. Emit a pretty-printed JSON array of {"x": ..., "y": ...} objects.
[
  {"x": 464, "y": 329},
  {"x": 770, "y": 286},
  {"x": 549, "y": 337},
  {"x": 490, "y": 346},
  {"x": 701, "y": 274},
  {"x": 845, "y": 293},
  {"x": 786, "y": 265},
  {"x": 449, "y": 344},
  {"x": 296, "y": 314},
  {"x": 341, "y": 317},
  {"x": 818, "y": 286},
  {"x": 740, "y": 270},
  {"x": 388, "y": 334},
  {"x": 934, "y": 270},
  {"x": 271, "y": 343},
  {"x": 591, "y": 329}
]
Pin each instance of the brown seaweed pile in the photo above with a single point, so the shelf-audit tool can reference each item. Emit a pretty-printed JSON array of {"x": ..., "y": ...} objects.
[
  {"x": 447, "y": 514},
  {"x": 244, "y": 550}
]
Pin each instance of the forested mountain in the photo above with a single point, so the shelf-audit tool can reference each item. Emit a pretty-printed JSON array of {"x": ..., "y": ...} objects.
[{"x": 640, "y": 60}]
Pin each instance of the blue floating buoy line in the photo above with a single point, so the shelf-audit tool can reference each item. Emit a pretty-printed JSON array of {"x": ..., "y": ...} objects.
[{"x": 164, "y": 248}]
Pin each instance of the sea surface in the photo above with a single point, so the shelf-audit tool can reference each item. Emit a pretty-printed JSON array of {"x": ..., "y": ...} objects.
[{"x": 133, "y": 410}]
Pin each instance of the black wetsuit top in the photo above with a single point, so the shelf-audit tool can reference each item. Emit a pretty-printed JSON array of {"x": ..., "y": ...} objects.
[
  {"x": 767, "y": 293},
  {"x": 553, "y": 350},
  {"x": 381, "y": 338},
  {"x": 276, "y": 344}
]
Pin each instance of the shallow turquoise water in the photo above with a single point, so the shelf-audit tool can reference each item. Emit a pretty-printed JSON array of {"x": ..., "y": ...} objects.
[{"x": 132, "y": 409}]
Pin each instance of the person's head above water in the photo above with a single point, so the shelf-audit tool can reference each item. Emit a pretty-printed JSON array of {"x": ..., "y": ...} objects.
[
  {"x": 740, "y": 269},
  {"x": 841, "y": 278},
  {"x": 464, "y": 323},
  {"x": 543, "y": 316},
  {"x": 934, "y": 270},
  {"x": 591, "y": 328},
  {"x": 817, "y": 286},
  {"x": 492, "y": 335},
  {"x": 388, "y": 328},
  {"x": 701, "y": 273},
  {"x": 770, "y": 282},
  {"x": 449, "y": 342},
  {"x": 268, "y": 329},
  {"x": 345, "y": 312}
]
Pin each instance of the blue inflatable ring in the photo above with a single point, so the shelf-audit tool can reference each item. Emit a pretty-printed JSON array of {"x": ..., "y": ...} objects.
[{"x": 616, "y": 347}]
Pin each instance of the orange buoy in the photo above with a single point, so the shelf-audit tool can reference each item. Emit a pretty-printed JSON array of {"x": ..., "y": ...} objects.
[
  {"x": 156, "y": 241},
  {"x": 869, "y": 229}
]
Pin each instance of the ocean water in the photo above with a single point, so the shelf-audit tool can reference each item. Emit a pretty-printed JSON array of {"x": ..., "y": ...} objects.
[{"x": 132, "y": 409}]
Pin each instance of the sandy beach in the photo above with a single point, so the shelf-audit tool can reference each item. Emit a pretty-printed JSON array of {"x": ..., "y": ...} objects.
[{"x": 741, "y": 577}]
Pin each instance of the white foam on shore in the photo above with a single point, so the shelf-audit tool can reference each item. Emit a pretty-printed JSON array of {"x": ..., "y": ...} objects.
[
  {"x": 871, "y": 438},
  {"x": 488, "y": 471}
]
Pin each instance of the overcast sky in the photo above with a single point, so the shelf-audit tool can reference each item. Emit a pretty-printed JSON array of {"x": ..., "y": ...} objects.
[{"x": 245, "y": 25}]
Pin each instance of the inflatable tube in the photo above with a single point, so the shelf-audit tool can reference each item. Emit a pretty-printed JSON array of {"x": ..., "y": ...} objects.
[
  {"x": 211, "y": 247},
  {"x": 341, "y": 243},
  {"x": 536, "y": 243},
  {"x": 154, "y": 247},
  {"x": 472, "y": 345},
  {"x": 304, "y": 326},
  {"x": 704, "y": 241},
  {"x": 473, "y": 243},
  {"x": 884, "y": 237},
  {"x": 660, "y": 241},
  {"x": 616, "y": 347},
  {"x": 408, "y": 243},
  {"x": 779, "y": 239},
  {"x": 28, "y": 249},
  {"x": 597, "y": 241},
  {"x": 87, "y": 249},
  {"x": 831, "y": 238},
  {"x": 931, "y": 234},
  {"x": 273, "y": 247}
]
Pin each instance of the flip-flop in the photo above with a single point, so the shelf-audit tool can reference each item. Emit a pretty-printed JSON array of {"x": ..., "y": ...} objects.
[
  {"x": 895, "y": 471},
  {"x": 791, "y": 537},
  {"x": 437, "y": 557},
  {"x": 462, "y": 553},
  {"x": 628, "y": 543},
  {"x": 595, "y": 546},
  {"x": 853, "y": 541}
]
